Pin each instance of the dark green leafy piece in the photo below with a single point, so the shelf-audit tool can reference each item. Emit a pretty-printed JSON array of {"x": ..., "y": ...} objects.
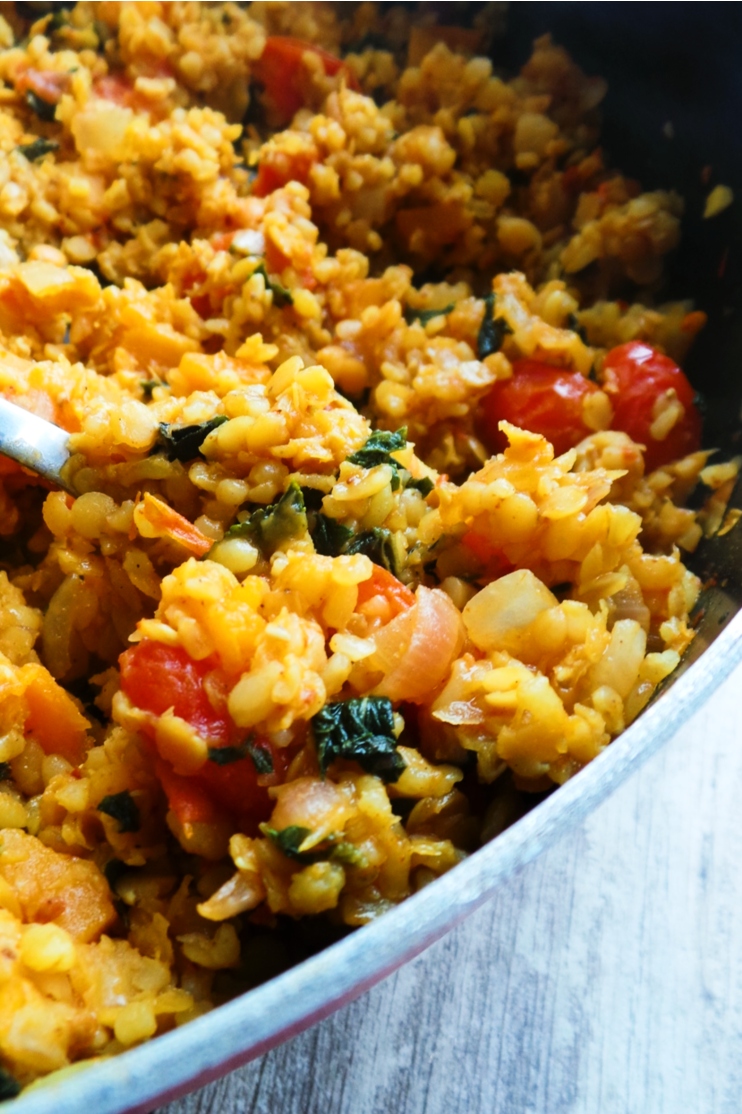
[
  {"x": 492, "y": 331},
  {"x": 148, "y": 386},
  {"x": 424, "y": 486},
  {"x": 269, "y": 527},
  {"x": 290, "y": 839},
  {"x": 38, "y": 148},
  {"x": 377, "y": 449},
  {"x": 9, "y": 1085},
  {"x": 312, "y": 498},
  {"x": 225, "y": 756},
  {"x": 281, "y": 296},
  {"x": 329, "y": 536},
  {"x": 378, "y": 545},
  {"x": 113, "y": 870},
  {"x": 361, "y": 730},
  {"x": 346, "y": 854},
  {"x": 4, "y": 771},
  {"x": 45, "y": 110},
  {"x": 123, "y": 809},
  {"x": 261, "y": 758},
  {"x": 425, "y": 315},
  {"x": 183, "y": 442}
]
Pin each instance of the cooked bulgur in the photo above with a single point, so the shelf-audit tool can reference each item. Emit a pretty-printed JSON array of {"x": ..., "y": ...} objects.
[{"x": 297, "y": 623}]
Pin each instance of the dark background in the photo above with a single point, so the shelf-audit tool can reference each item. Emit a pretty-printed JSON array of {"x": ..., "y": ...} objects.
[{"x": 679, "y": 64}]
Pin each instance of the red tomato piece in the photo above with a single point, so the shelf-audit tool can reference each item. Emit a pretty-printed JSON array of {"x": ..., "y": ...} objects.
[
  {"x": 639, "y": 380},
  {"x": 280, "y": 70},
  {"x": 186, "y": 796},
  {"x": 383, "y": 583},
  {"x": 115, "y": 87},
  {"x": 156, "y": 677},
  {"x": 48, "y": 85},
  {"x": 541, "y": 398},
  {"x": 493, "y": 561}
]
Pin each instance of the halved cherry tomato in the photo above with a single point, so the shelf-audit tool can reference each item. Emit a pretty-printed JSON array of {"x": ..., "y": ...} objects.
[
  {"x": 640, "y": 380},
  {"x": 279, "y": 69},
  {"x": 543, "y": 399}
]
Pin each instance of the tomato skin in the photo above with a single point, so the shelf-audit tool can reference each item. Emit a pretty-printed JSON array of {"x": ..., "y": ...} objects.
[
  {"x": 541, "y": 398},
  {"x": 385, "y": 584},
  {"x": 279, "y": 70},
  {"x": 635, "y": 375},
  {"x": 156, "y": 677}
]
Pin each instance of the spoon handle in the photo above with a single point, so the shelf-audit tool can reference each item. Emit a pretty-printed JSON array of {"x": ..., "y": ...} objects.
[{"x": 33, "y": 442}]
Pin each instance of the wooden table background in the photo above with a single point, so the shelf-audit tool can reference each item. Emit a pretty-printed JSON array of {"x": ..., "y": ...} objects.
[{"x": 606, "y": 978}]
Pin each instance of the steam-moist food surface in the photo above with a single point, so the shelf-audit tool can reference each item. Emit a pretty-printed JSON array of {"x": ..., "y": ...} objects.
[{"x": 300, "y": 643}]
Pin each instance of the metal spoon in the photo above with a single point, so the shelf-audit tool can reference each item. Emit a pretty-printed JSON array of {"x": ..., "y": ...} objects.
[{"x": 34, "y": 443}]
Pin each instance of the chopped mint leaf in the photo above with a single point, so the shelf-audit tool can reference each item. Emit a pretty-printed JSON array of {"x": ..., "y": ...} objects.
[
  {"x": 361, "y": 730},
  {"x": 492, "y": 331},
  {"x": 123, "y": 808}
]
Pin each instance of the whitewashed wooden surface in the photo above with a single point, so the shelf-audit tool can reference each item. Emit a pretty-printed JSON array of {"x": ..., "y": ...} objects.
[{"x": 605, "y": 979}]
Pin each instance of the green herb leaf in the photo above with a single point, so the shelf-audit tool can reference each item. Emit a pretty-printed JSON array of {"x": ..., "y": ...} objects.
[
  {"x": 492, "y": 331},
  {"x": 329, "y": 536},
  {"x": 9, "y": 1085},
  {"x": 281, "y": 296},
  {"x": 148, "y": 386},
  {"x": 290, "y": 839},
  {"x": 113, "y": 870},
  {"x": 377, "y": 449},
  {"x": 361, "y": 730},
  {"x": 45, "y": 110},
  {"x": 38, "y": 148},
  {"x": 424, "y": 486},
  {"x": 123, "y": 809},
  {"x": 183, "y": 442},
  {"x": 346, "y": 854},
  {"x": 378, "y": 545},
  {"x": 312, "y": 497},
  {"x": 225, "y": 756},
  {"x": 425, "y": 315},
  {"x": 269, "y": 527},
  {"x": 4, "y": 771},
  {"x": 261, "y": 758}
]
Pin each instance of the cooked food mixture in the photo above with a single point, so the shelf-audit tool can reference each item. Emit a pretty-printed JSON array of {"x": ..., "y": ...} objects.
[{"x": 380, "y": 450}]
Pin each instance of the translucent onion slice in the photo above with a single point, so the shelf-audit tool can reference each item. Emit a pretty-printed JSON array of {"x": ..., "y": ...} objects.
[{"x": 417, "y": 648}]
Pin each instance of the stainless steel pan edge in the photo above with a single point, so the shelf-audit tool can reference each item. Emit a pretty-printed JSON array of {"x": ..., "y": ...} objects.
[{"x": 173, "y": 1064}]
